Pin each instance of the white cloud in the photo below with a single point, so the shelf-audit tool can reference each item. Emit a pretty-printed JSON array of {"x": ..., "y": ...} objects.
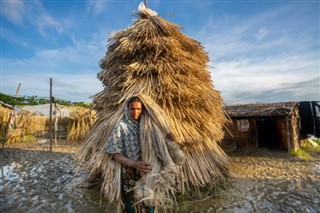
[
  {"x": 249, "y": 75},
  {"x": 73, "y": 69},
  {"x": 255, "y": 58},
  {"x": 96, "y": 7},
  {"x": 262, "y": 33},
  {"x": 32, "y": 12},
  {"x": 13, "y": 11},
  {"x": 46, "y": 22},
  {"x": 260, "y": 57}
]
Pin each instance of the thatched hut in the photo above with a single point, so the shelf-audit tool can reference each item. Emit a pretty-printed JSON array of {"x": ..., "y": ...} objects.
[
  {"x": 271, "y": 125},
  {"x": 155, "y": 59}
]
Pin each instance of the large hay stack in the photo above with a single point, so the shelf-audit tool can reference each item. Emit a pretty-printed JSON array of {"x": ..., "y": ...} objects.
[{"x": 154, "y": 58}]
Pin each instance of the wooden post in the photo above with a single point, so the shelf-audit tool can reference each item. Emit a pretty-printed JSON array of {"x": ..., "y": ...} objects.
[
  {"x": 50, "y": 120},
  {"x": 55, "y": 126},
  {"x": 17, "y": 92},
  {"x": 255, "y": 132},
  {"x": 288, "y": 135}
]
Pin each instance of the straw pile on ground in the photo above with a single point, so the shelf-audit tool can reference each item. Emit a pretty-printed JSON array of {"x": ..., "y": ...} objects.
[
  {"x": 79, "y": 124},
  {"x": 4, "y": 126},
  {"x": 21, "y": 125},
  {"x": 155, "y": 59}
]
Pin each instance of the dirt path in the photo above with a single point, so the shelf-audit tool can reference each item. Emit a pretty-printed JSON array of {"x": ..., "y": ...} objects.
[{"x": 34, "y": 180}]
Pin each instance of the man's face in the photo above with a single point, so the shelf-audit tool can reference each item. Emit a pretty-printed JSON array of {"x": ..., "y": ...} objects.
[{"x": 135, "y": 110}]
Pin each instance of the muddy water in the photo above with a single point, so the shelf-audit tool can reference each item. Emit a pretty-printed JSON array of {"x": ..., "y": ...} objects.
[{"x": 33, "y": 180}]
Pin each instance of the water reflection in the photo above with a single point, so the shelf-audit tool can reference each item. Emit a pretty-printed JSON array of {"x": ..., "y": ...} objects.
[
  {"x": 41, "y": 184},
  {"x": 9, "y": 171}
]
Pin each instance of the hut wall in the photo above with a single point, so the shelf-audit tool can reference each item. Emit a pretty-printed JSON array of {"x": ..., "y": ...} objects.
[
  {"x": 272, "y": 127},
  {"x": 282, "y": 133},
  {"x": 241, "y": 137},
  {"x": 278, "y": 137},
  {"x": 295, "y": 129}
]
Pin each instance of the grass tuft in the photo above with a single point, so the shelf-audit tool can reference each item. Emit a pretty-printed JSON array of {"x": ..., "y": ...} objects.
[{"x": 307, "y": 152}]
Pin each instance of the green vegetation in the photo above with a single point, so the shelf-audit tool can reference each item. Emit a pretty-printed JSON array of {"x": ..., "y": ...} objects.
[
  {"x": 35, "y": 100},
  {"x": 308, "y": 152}
]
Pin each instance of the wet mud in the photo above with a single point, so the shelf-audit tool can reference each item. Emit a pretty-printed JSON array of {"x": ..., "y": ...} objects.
[
  {"x": 35, "y": 180},
  {"x": 266, "y": 181}
]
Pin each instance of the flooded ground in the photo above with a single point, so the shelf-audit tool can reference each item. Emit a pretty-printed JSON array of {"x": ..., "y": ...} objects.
[{"x": 34, "y": 180}]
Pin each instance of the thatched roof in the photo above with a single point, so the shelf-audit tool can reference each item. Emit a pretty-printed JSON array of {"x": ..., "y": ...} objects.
[
  {"x": 5, "y": 105},
  {"x": 281, "y": 109},
  {"x": 154, "y": 58}
]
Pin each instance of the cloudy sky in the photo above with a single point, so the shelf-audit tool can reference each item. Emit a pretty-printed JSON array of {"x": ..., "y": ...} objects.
[{"x": 260, "y": 50}]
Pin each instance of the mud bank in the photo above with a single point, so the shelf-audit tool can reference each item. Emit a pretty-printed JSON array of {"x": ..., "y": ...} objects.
[{"x": 34, "y": 180}]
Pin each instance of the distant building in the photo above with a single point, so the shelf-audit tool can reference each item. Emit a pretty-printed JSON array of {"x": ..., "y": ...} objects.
[
  {"x": 272, "y": 125},
  {"x": 44, "y": 110}
]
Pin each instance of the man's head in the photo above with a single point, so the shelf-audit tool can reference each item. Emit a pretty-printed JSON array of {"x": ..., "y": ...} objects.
[{"x": 135, "y": 108}]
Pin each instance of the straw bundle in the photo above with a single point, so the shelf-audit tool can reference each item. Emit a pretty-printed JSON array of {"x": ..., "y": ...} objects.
[
  {"x": 4, "y": 117},
  {"x": 154, "y": 58},
  {"x": 38, "y": 126},
  {"x": 22, "y": 123},
  {"x": 79, "y": 124}
]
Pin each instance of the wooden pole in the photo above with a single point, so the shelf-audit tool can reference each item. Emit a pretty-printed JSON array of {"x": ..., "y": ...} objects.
[
  {"x": 55, "y": 124},
  {"x": 17, "y": 92},
  {"x": 288, "y": 134},
  {"x": 50, "y": 120}
]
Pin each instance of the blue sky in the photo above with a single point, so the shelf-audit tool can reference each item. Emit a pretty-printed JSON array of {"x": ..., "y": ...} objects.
[{"x": 260, "y": 51}]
